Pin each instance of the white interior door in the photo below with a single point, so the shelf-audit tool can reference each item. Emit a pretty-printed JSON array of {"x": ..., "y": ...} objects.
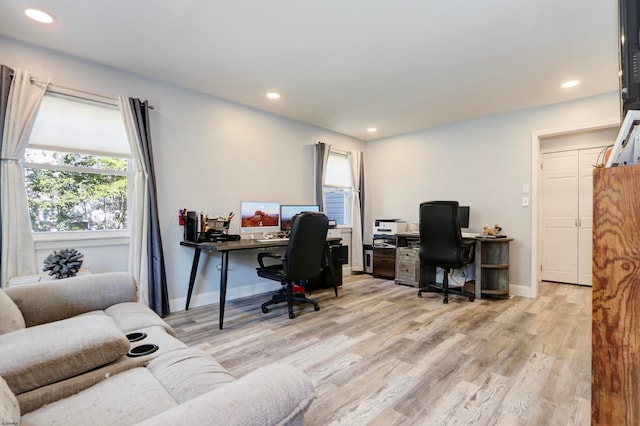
[
  {"x": 568, "y": 215},
  {"x": 560, "y": 213},
  {"x": 588, "y": 157}
]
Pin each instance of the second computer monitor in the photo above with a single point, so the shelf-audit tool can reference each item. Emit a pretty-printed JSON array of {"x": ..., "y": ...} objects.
[
  {"x": 287, "y": 212},
  {"x": 463, "y": 216}
]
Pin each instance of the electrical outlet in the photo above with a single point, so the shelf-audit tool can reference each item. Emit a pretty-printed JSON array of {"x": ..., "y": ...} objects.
[{"x": 525, "y": 201}]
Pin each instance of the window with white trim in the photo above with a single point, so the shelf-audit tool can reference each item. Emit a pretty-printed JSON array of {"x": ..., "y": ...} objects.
[
  {"x": 77, "y": 166},
  {"x": 338, "y": 188}
]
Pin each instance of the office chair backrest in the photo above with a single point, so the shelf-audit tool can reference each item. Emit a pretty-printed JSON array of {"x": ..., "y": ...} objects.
[
  {"x": 440, "y": 236},
  {"x": 306, "y": 246}
]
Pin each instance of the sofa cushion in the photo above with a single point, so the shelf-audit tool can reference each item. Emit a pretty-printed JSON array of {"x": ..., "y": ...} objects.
[
  {"x": 40, "y": 355},
  {"x": 124, "y": 398},
  {"x": 11, "y": 318},
  {"x": 271, "y": 395},
  {"x": 134, "y": 316},
  {"x": 188, "y": 373},
  {"x": 9, "y": 408}
]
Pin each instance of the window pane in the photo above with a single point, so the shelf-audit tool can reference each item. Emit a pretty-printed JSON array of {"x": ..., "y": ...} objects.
[
  {"x": 77, "y": 166},
  {"x": 75, "y": 201},
  {"x": 335, "y": 205}
]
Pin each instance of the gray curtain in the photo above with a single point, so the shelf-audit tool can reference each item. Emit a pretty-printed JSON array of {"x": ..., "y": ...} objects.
[
  {"x": 158, "y": 295},
  {"x": 322, "y": 153},
  {"x": 6, "y": 75},
  {"x": 361, "y": 177}
]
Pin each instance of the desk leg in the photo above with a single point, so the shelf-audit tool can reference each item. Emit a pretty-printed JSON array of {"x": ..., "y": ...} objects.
[
  {"x": 478, "y": 274},
  {"x": 192, "y": 279},
  {"x": 223, "y": 285}
]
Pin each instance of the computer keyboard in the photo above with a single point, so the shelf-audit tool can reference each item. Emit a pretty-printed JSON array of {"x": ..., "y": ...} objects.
[
  {"x": 469, "y": 235},
  {"x": 270, "y": 240}
]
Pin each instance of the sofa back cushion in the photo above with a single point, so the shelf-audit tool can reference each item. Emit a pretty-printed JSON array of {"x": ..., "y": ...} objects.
[
  {"x": 11, "y": 318},
  {"x": 9, "y": 408}
]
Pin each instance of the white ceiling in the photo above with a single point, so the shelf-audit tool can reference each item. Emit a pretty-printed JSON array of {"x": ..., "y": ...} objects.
[{"x": 346, "y": 65}]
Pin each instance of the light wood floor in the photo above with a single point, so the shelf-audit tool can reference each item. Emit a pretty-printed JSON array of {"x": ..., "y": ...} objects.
[{"x": 380, "y": 355}]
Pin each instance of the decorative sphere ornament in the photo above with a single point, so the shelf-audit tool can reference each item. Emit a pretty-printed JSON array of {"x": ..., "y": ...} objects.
[{"x": 63, "y": 263}]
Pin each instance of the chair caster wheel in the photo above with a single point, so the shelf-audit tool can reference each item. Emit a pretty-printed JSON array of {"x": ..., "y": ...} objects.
[
  {"x": 472, "y": 298},
  {"x": 265, "y": 310},
  {"x": 316, "y": 308},
  {"x": 419, "y": 294},
  {"x": 292, "y": 315},
  {"x": 445, "y": 300}
]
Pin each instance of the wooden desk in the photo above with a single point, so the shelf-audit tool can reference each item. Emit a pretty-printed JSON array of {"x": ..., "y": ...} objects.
[{"x": 224, "y": 248}]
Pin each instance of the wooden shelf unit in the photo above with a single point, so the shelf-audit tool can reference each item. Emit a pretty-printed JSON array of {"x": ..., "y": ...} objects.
[{"x": 492, "y": 266}]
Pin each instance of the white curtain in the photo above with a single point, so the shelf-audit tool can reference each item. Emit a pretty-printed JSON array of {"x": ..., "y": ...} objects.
[
  {"x": 357, "y": 256},
  {"x": 139, "y": 219},
  {"x": 18, "y": 251}
]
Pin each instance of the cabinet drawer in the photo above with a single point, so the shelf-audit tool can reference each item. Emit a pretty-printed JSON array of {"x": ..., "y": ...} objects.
[
  {"x": 408, "y": 270},
  {"x": 408, "y": 253}
]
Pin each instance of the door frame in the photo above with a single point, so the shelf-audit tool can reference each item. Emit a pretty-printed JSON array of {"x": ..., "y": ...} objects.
[{"x": 536, "y": 184}]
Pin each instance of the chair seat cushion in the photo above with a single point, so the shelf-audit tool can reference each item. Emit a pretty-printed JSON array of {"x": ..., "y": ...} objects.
[{"x": 44, "y": 354}]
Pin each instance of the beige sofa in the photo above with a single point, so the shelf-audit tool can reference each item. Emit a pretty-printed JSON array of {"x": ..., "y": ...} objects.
[{"x": 67, "y": 358}]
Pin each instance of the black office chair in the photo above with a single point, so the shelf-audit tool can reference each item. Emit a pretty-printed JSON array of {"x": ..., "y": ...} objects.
[
  {"x": 302, "y": 260},
  {"x": 442, "y": 245}
]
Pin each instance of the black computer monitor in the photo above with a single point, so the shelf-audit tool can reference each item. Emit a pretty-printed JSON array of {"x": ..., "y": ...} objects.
[
  {"x": 287, "y": 212},
  {"x": 463, "y": 216}
]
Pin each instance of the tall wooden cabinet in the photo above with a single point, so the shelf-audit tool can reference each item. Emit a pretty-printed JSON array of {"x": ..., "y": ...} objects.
[{"x": 615, "y": 367}]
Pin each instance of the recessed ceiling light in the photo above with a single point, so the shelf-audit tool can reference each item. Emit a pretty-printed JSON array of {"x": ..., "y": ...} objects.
[
  {"x": 273, "y": 95},
  {"x": 568, "y": 84},
  {"x": 372, "y": 130},
  {"x": 39, "y": 16}
]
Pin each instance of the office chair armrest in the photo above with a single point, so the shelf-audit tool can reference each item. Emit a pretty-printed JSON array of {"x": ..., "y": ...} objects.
[
  {"x": 469, "y": 242},
  {"x": 261, "y": 257},
  {"x": 468, "y": 250}
]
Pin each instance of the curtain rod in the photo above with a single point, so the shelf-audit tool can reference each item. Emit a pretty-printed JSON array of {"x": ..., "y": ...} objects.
[{"x": 33, "y": 80}]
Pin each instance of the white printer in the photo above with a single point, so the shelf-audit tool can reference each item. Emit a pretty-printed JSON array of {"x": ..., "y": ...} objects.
[{"x": 388, "y": 227}]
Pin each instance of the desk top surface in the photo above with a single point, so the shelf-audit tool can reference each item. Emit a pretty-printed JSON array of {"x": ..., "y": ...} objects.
[
  {"x": 479, "y": 237},
  {"x": 242, "y": 244}
]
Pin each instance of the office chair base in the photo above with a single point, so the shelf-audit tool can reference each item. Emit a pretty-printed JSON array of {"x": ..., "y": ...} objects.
[
  {"x": 446, "y": 292},
  {"x": 281, "y": 296}
]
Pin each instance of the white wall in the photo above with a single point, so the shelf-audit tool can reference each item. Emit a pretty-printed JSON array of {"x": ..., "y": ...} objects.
[
  {"x": 209, "y": 155},
  {"x": 481, "y": 163}
]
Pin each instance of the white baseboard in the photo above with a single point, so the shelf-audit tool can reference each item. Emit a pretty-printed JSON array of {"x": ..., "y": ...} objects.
[
  {"x": 520, "y": 290},
  {"x": 211, "y": 297}
]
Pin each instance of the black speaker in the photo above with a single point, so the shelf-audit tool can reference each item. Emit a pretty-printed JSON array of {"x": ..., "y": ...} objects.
[{"x": 191, "y": 227}]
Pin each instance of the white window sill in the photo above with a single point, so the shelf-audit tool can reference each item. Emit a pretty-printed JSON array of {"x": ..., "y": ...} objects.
[{"x": 44, "y": 240}]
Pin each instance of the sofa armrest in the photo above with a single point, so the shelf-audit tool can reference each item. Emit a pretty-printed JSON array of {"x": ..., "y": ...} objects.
[
  {"x": 40, "y": 355},
  {"x": 272, "y": 395},
  {"x": 49, "y": 301}
]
